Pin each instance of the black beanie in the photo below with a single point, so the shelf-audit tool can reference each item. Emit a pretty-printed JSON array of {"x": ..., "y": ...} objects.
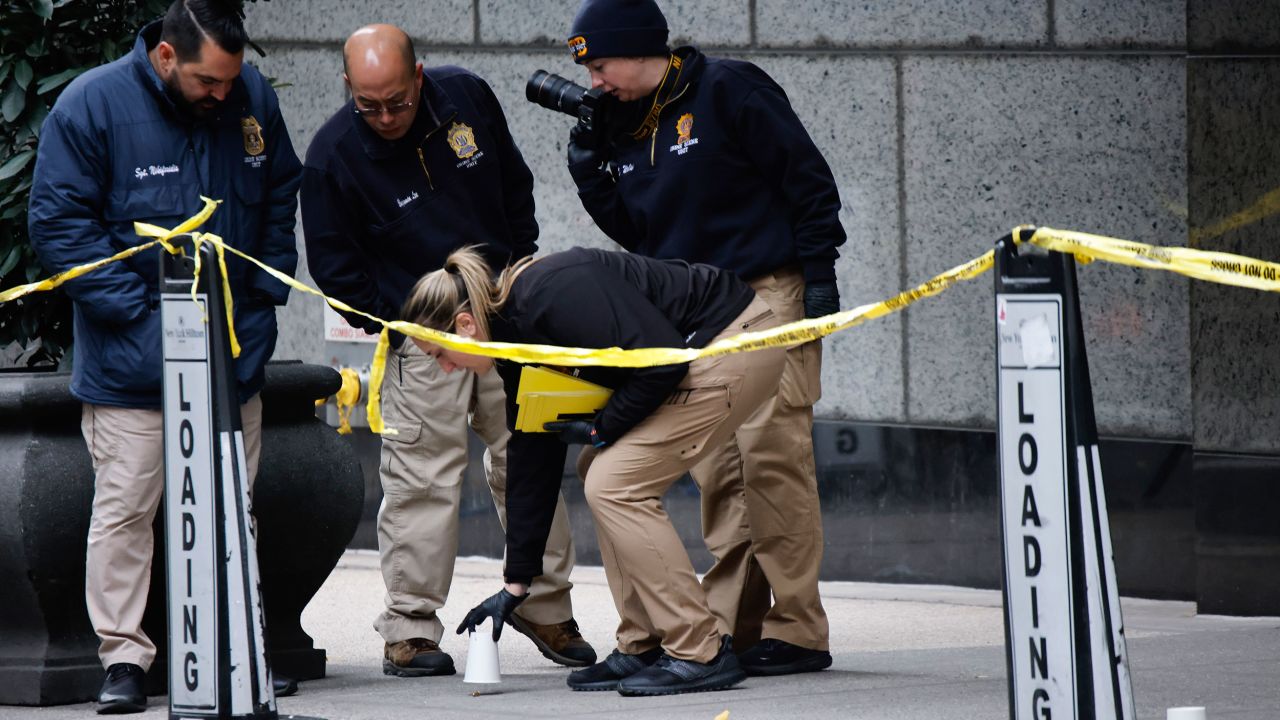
[{"x": 618, "y": 28}]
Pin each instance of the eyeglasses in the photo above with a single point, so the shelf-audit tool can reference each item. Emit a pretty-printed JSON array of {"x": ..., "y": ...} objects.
[{"x": 388, "y": 109}]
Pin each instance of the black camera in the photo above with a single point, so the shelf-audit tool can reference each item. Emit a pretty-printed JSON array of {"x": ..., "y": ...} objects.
[{"x": 556, "y": 93}]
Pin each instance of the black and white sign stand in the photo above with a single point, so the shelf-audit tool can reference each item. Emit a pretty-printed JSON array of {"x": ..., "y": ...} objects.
[
  {"x": 1064, "y": 635},
  {"x": 217, "y": 652}
]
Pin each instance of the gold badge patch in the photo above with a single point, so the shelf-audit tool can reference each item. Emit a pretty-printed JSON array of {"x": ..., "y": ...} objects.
[
  {"x": 463, "y": 140},
  {"x": 684, "y": 128},
  {"x": 252, "y": 132},
  {"x": 578, "y": 46}
]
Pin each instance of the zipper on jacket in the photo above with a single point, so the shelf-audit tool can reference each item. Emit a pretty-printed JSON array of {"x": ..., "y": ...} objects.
[
  {"x": 422, "y": 158},
  {"x": 423, "y": 161},
  {"x": 653, "y": 143}
]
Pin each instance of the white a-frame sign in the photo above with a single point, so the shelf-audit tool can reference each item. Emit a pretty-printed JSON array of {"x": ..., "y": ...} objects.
[
  {"x": 1064, "y": 635},
  {"x": 217, "y": 651}
]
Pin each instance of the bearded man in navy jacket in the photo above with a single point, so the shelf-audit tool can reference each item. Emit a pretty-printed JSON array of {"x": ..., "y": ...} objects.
[{"x": 141, "y": 139}]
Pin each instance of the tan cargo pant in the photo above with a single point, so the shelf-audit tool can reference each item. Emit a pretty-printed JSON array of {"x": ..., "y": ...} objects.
[
  {"x": 760, "y": 513},
  {"x": 422, "y": 472},
  {"x": 127, "y": 448},
  {"x": 650, "y": 576}
]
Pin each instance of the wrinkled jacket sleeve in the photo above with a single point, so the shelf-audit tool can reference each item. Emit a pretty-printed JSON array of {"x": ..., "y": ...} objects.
[
  {"x": 605, "y": 311},
  {"x": 279, "y": 247},
  {"x": 783, "y": 150},
  {"x": 65, "y": 222},
  {"x": 535, "y": 463},
  {"x": 598, "y": 192},
  {"x": 333, "y": 250},
  {"x": 517, "y": 181}
]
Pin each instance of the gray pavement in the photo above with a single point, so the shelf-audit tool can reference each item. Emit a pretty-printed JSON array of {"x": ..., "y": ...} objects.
[{"x": 902, "y": 652}]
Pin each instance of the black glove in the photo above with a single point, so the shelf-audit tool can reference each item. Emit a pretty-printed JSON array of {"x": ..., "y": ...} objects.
[
  {"x": 575, "y": 432},
  {"x": 499, "y": 607},
  {"x": 821, "y": 298},
  {"x": 583, "y": 148}
]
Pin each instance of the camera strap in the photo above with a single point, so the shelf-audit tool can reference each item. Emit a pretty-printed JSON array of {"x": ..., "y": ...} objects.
[{"x": 670, "y": 81}]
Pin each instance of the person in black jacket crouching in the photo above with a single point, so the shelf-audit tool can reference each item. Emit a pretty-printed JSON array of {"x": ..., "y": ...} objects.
[{"x": 658, "y": 423}]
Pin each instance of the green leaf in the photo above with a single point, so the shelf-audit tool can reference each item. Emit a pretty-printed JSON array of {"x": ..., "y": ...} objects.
[
  {"x": 35, "y": 118},
  {"x": 55, "y": 81},
  {"x": 21, "y": 136},
  {"x": 36, "y": 49},
  {"x": 5, "y": 68},
  {"x": 43, "y": 8},
  {"x": 12, "y": 102},
  {"x": 12, "y": 212},
  {"x": 22, "y": 73},
  {"x": 15, "y": 164},
  {"x": 15, "y": 254}
]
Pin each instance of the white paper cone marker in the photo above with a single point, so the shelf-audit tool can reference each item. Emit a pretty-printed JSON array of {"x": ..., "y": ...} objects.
[
  {"x": 1185, "y": 713},
  {"x": 482, "y": 659}
]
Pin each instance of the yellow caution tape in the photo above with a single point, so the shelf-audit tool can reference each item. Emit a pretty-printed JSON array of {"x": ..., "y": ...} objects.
[
  {"x": 373, "y": 408},
  {"x": 162, "y": 238},
  {"x": 346, "y": 398},
  {"x": 1217, "y": 267},
  {"x": 149, "y": 230}
]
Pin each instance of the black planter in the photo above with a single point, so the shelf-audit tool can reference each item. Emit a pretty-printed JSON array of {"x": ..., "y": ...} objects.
[{"x": 307, "y": 500}]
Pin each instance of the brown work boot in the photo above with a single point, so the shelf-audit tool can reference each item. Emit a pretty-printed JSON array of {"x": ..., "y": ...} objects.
[
  {"x": 560, "y": 643},
  {"x": 416, "y": 657}
]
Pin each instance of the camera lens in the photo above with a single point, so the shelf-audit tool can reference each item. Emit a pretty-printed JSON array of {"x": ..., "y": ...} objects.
[{"x": 554, "y": 92}]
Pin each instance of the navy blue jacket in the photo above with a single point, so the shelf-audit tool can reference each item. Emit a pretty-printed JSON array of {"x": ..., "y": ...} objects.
[
  {"x": 731, "y": 178},
  {"x": 596, "y": 299},
  {"x": 379, "y": 214},
  {"x": 115, "y": 149}
]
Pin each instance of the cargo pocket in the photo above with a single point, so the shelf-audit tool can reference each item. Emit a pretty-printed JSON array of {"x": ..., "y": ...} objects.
[
  {"x": 395, "y": 462},
  {"x": 802, "y": 376},
  {"x": 690, "y": 418}
]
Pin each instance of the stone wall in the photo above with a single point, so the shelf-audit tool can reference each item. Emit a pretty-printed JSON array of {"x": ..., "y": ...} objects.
[{"x": 945, "y": 123}]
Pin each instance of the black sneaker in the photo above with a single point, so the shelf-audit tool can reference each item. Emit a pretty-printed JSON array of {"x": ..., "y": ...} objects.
[
  {"x": 122, "y": 690},
  {"x": 669, "y": 676},
  {"x": 779, "y": 657},
  {"x": 605, "y": 674},
  {"x": 283, "y": 686}
]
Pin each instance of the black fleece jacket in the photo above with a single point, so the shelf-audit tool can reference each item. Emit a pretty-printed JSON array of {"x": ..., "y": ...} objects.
[{"x": 598, "y": 299}]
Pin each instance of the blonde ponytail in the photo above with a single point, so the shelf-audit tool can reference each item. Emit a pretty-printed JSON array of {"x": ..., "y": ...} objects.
[{"x": 464, "y": 284}]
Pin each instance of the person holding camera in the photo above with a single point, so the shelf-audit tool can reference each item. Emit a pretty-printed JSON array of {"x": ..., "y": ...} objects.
[
  {"x": 416, "y": 165},
  {"x": 657, "y": 423},
  {"x": 703, "y": 159}
]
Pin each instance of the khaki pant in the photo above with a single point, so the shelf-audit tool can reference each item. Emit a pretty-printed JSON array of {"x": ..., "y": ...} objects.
[
  {"x": 650, "y": 576},
  {"x": 127, "y": 447},
  {"x": 422, "y": 472},
  {"x": 760, "y": 513}
]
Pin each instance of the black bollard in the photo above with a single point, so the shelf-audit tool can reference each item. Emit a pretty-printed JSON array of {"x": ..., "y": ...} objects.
[{"x": 307, "y": 499}]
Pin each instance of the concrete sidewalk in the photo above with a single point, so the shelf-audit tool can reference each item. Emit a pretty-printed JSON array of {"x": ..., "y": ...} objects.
[{"x": 902, "y": 652}]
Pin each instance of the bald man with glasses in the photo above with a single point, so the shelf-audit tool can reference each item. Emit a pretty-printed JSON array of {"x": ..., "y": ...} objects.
[{"x": 417, "y": 164}]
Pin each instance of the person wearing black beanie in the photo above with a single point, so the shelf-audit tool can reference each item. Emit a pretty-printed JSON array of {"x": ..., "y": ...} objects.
[
  {"x": 618, "y": 28},
  {"x": 704, "y": 160}
]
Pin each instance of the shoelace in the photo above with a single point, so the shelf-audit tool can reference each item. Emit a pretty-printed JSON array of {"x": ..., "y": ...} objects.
[{"x": 115, "y": 672}]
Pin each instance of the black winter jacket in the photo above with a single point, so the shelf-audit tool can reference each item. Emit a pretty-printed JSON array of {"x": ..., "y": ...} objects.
[
  {"x": 598, "y": 299},
  {"x": 730, "y": 177},
  {"x": 380, "y": 214}
]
